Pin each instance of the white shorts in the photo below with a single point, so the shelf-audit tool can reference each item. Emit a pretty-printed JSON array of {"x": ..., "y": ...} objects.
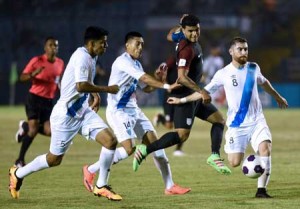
[
  {"x": 128, "y": 123},
  {"x": 238, "y": 138},
  {"x": 64, "y": 128}
]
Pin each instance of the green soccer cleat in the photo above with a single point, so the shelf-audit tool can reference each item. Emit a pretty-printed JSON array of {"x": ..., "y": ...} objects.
[
  {"x": 217, "y": 163},
  {"x": 140, "y": 154}
]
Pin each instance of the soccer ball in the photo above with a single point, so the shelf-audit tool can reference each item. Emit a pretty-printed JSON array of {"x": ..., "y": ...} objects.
[{"x": 252, "y": 167}]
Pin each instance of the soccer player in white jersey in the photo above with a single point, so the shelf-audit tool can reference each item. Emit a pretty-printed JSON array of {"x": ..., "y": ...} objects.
[
  {"x": 72, "y": 114},
  {"x": 126, "y": 118},
  {"x": 245, "y": 119}
]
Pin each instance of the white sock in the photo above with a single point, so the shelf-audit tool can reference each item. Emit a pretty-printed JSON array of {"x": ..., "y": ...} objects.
[
  {"x": 105, "y": 162},
  {"x": 120, "y": 154},
  {"x": 39, "y": 163},
  {"x": 162, "y": 163},
  {"x": 94, "y": 167},
  {"x": 263, "y": 180}
]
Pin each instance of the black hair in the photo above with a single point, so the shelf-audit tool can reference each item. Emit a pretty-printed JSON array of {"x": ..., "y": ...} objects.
[
  {"x": 49, "y": 38},
  {"x": 131, "y": 35},
  {"x": 190, "y": 20},
  {"x": 237, "y": 39},
  {"x": 94, "y": 33}
]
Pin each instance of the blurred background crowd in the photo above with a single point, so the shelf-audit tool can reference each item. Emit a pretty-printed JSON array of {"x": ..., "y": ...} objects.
[{"x": 272, "y": 28}]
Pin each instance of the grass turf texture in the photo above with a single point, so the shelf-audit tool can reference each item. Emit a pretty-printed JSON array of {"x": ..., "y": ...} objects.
[{"x": 62, "y": 187}]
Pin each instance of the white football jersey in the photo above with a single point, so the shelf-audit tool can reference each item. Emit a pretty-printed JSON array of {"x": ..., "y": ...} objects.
[
  {"x": 125, "y": 72},
  {"x": 211, "y": 65},
  {"x": 81, "y": 67},
  {"x": 240, "y": 85}
]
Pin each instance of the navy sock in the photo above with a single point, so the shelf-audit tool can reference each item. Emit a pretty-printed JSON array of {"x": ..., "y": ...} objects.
[
  {"x": 25, "y": 126},
  {"x": 25, "y": 146},
  {"x": 41, "y": 129},
  {"x": 162, "y": 119},
  {"x": 216, "y": 134},
  {"x": 167, "y": 140}
]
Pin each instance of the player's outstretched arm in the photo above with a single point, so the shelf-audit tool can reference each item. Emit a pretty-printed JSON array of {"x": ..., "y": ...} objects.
[
  {"x": 281, "y": 101},
  {"x": 153, "y": 83},
  {"x": 184, "y": 80},
  {"x": 90, "y": 88},
  {"x": 192, "y": 97}
]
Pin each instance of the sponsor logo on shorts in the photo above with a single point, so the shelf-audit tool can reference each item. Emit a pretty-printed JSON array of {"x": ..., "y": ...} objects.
[{"x": 189, "y": 121}]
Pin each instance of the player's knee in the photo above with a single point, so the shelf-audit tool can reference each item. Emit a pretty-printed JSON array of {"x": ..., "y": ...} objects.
[
  {"x": 234, "y": 163},
  {"x": 216, "y": 118},
  {"x": 183, "y": 138},
  {"x": 112, "y": 144},
  {"x": 54, "y": 163},
  {"x": 47, "y": 132},
  {"x": 169, "y": 125},
  {"x": 265, "y": 148},
  {"x": 53, "y": 160},
  {"x": 109, "y": 141},
  {"x": 129, "y": 150},
  {"x": 220, "y": 121},
  {"x": 183, "y": 135},
  {"x": 32, "y": 133}
]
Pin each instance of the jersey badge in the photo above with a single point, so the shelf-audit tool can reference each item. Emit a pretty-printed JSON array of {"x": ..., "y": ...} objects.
[
  {"x": 181, "y": 62},
  {"x": 83, "y": 71}
]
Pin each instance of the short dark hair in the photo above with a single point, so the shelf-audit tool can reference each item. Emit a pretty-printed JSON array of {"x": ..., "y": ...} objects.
[
  {"x": 131, "y": 35},
  {"x": 190, "y": 20},
  {"x": 49, "y": 38},
  {"x": 237, "y": 39},
  {"x": 94, "y": 33}
]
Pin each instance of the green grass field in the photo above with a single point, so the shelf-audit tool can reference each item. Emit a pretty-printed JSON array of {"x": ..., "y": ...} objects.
[{"x": 61, "y": 187}]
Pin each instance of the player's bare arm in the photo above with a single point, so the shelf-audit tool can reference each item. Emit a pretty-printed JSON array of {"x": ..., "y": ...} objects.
[
  {"x": 175, "y": 29},
  {"x": 91, "y": 88},
  {"x": 281, "y": 101},
  {"x": 95, "y": 101},
  {"x": 184, "y": 80},
  {"x": 152, "y": 83},
  {"x": 192, "y": 97}
]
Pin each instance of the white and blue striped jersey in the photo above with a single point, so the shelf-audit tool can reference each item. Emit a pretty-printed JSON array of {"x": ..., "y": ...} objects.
[
  {"x": 81, "y": 67},
  {"x": 125, "y": 72},
  {"x": 240, "y": 85}
]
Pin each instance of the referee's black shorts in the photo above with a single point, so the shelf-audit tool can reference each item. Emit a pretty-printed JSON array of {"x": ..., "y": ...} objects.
[{"x": 38, "y": 108}]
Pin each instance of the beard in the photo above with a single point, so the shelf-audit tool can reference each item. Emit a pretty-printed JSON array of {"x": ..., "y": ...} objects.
[{"x": 242, "y": 60}]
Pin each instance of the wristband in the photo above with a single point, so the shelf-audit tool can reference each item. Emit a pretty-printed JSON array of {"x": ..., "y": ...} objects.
[
  {"x": 166, "y": 86},
  {"x": 183, "y": 100}
]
